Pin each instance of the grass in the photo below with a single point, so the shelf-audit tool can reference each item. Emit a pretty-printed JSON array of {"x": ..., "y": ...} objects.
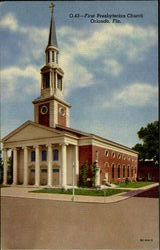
[
  {"x": 134, "y": 184},
  {"x": 81, "y": 191}
]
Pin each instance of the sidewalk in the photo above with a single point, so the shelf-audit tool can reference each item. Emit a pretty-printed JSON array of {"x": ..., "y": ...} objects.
[{"x": 23, "y": 192}]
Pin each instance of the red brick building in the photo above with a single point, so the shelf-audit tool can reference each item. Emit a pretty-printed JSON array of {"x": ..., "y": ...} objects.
[
  {"x": 46, "y": 151},
  {"x": 147, "y": 171}
]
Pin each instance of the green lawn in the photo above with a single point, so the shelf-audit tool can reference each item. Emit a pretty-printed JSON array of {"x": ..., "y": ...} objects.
[
  {"x": 134, "y": 184},
  {"x": 81, "y": 191}
]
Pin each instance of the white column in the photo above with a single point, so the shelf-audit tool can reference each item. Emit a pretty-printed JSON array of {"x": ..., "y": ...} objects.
[
  {"x": 76, "y": 164},
  {"x": 64, "y": 165},
  {"x": 49, "y": 160},
  {"x": 15, "y": 165},
  {"x": 97, "y": 177},
  {"x": 5, "y": 166},
  {"x": 37, "y": 167},
  {"x": 25, "y": 170}
]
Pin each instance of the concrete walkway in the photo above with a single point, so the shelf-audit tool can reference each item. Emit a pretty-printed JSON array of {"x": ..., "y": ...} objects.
[{"x": 23, "y": 192}]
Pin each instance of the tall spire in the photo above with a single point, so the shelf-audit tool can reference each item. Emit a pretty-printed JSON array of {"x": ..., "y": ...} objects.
[{"x": 52, "y": 40}]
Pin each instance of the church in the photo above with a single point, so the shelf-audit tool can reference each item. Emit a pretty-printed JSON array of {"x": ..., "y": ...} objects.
[{"x": 48, "y": 152}]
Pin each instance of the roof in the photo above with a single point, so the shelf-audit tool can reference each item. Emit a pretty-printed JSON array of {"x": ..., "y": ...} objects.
[
  {"x": 93, "y": 136},
  {"x": 52, "y": 40}
]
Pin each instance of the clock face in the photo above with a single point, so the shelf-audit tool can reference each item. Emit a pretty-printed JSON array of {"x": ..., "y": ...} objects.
[
  {"x": 44, "y": 110},
  {"x": 62, "y": 111}
]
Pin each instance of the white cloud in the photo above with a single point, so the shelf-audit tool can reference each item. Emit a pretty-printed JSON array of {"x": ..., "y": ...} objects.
[
  {"x": 100, "y": 47},
  {"x": 128, "y": 39},
  {"x": 9, "y": 21},
  {"x": 14, "y": 77},
  {"x": 113, "y": 67},
  {"x": 136, "y": 95}
]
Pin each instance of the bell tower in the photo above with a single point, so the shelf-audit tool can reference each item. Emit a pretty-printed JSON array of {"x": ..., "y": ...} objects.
[{"x": 50, "y": 109}]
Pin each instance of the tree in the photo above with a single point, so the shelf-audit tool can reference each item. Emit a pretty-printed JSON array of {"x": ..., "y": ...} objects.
[
  {"x": 149, "y": 148},
  {"x": 84, "y": 174},
  {"x": 93, "y": 169}
]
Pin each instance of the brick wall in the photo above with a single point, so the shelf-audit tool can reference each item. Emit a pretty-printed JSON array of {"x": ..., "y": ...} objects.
[
  {"x": 61, "y": 118},
  {"x": 106, "y": 158},
  {"x": 44, "y": 118},
  {"x": 148, "y": 171}
]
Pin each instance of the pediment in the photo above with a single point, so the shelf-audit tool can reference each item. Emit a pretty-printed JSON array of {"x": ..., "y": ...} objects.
[{"x": 31, "y": 131}]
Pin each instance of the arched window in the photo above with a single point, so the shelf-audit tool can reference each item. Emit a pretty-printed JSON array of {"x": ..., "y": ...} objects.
[
  {"x": 53, "y": 56},
  {"x": 123, "y": 171},
  {"x": 48, "y": 56},
  {"x": 44, "y": 155},
  {"x": 57, "y": 57},
  {"x": 128, "y": 171},
  {"x": 59, "y": 82},
  {"x": 46, "y": 80},
  {"x": 119, "y": 156},
  {"x": 132, "y": 172},
  {"x": 113, "y": 171},
  {"x": 119, "y": 169},
  {"x": 33, "y": 155},
  {"x": 107, "y": 153},
  {"x": 55, "y": 154}
]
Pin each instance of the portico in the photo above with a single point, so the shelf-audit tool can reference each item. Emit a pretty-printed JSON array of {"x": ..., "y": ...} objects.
[{"x": 40, "y": 163}]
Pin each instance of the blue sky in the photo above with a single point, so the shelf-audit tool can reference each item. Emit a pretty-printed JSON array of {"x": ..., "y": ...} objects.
[{"x": 111, "y": 74}]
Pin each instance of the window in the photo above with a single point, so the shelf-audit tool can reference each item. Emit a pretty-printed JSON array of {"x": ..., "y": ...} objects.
[
  {"x": 32, "y": 170},
  {"x": 48, "y": 56},
  {"x": 46, "y": 80},
  {"x": 113, "y": 154},
  {"x": 33, "y": 156},
  {"x": 44, "y": 170},
  {"x": 107, "y": 153},
  {"x": 113, "y": 171},
  {"x": 119, "y": 169},
  {"x": 55, "y": 154},
  {"x": 107, "y": 164},
  {"x": 53, "y": 56},
  {"x": 128, "y": 171},
  {"x": 131, "y": 172},
  {"x": 123, "y": 171},
  {"x": 55, "y": 170},
  {"x": 119, "y": 156},
  {"x": 44, "y": 155},
  {"x": 59, "y": 82},
  {"x": 57, "y": 57}
]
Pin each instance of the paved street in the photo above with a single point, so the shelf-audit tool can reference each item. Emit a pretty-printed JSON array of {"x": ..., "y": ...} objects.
[{"x": 46, "y": 224}]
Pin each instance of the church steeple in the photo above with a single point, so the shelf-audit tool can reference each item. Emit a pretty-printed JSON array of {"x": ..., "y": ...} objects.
[
  {"x": 50, "y": 108},
  {"x": 52, "y": 50},
  {"x": 52, "y": 40}
]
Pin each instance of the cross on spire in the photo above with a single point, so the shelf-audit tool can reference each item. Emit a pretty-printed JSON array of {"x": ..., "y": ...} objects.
[{"x": 52, "y": 5}]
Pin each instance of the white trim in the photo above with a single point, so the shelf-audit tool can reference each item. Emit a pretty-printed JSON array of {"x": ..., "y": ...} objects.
[{"x": 90, "y": 141}]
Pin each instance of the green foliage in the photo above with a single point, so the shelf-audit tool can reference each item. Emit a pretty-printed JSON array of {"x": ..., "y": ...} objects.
[
  {"x": 134, "y": 184},
  {"x": 93, "y": 169},
  {"x": 84, "y": 174},
  {"x": 126, "y": 181},
  {"x": 81, "y": 191},
  {"x": 149, "y": 148}
]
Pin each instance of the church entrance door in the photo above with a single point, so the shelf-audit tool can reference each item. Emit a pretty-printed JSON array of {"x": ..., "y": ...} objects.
[
  {"x": 32, "y": 176},
  {"x": 43, "y": 179},
  {"x": 55, "y": 176}
]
